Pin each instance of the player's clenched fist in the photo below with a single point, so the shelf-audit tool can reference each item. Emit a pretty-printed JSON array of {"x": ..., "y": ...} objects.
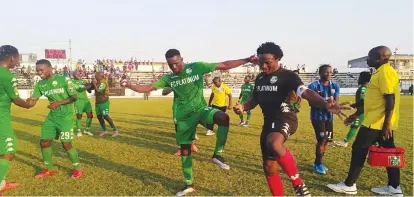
[
  {"x": 238, "y": 108},
  {"x": 253, "y": 59}
]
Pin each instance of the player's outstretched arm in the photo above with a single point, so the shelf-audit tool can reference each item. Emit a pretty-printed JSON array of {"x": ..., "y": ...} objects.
[
  {"x": 166, "y": 91},
  {"x": 249, "y": 105},
  {"x": 331, "y": 105},
  {"x": 235, "y": 63},
  {"x": 32, "y": 101},
  {"x": 140, "y": 88},
  {"x": 21, "y": 103}
]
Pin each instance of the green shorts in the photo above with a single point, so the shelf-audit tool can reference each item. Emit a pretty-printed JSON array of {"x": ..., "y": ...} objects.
[
  {"x": 82, "y": 106},
  {"x": 358, "y": 122},
  {"x": 102, "y": 109},
  {"x": 186, "y": 127},
  {"x": 8, "y": 141},
  {"x": 62, "y": 127}
]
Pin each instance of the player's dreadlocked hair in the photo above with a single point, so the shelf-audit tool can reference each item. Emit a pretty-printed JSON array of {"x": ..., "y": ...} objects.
[
  {"x": 364, "y": 77},
  {"x": 171, "y": 53},
  {"x": 7, "y": 51},
  {"x": 43, "y": 61},
  {"x": 270, "y": 48},
  {"x": 323, "y": 67}
]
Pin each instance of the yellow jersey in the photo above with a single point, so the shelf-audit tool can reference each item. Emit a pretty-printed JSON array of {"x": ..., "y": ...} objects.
[
  {"x": 220, "y": 94},
  {"x": 384, "y": 80}
]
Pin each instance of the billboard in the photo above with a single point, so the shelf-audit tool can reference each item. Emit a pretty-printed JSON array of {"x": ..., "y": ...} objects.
[{"x": 55, "y": 54}]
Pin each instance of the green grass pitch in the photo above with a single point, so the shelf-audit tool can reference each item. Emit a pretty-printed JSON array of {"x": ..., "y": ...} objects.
[{"x": 140, "y": 162}]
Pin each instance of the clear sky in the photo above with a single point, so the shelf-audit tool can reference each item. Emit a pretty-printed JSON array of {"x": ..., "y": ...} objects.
[{"x": 309, "y": 32}]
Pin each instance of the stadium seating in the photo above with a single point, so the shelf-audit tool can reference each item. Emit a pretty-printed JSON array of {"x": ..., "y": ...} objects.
[{"x": 234, "y": 80}]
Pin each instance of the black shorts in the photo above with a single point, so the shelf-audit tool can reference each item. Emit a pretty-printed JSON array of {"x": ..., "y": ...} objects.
[
  {"x": 223, "y": 109},
  {"x": 323, "y": 130},
  {"x": 286, "y": 126}
]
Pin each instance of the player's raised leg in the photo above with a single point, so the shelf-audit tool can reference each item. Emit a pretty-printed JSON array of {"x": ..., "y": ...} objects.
[
  {"x": 211, "y": 115},
  {"x": 274, "y": 151}
]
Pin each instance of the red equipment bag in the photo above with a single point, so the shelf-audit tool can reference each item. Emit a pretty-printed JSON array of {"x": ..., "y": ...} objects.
[{"x": 386, "y": 157}]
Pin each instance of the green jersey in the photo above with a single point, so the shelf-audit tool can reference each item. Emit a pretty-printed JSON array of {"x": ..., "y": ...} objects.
[
  {"x": 246, "y": 91},
  {"x": 187, "y": 87},
  {"x": 58, "y": 88},
  {"x": 79, "y": 86},
  {"x": 360, "y": 95},
  {"x": 8, "y": 91}
]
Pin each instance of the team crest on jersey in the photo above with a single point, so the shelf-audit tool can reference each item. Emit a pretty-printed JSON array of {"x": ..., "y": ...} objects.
[
  {"x": 189, "y": 71},
  {"x": 273, "y": 80},
  {"x": 54, "y": 83}
]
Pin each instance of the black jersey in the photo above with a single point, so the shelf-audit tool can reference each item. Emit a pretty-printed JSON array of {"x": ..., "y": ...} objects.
[{"x": 276, "y": 93}]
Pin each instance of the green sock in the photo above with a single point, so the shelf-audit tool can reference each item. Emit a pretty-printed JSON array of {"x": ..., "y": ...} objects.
[
  {"x": 78, "y": 124},
  {"x": 187, "y": 164},
  {"x": 4, "y": 167},
  {"x": 249, "y": 114},
  {"x": 351, "y": 134},
  {"x": 73, "y": 156},
  {"x": 47, "y": 157},
  {"x": 222, "y": 132},
  {"x": 88, "y": 123},
  {"x": 114, "y": 128},
  {"x": 241, "y": 117}
]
